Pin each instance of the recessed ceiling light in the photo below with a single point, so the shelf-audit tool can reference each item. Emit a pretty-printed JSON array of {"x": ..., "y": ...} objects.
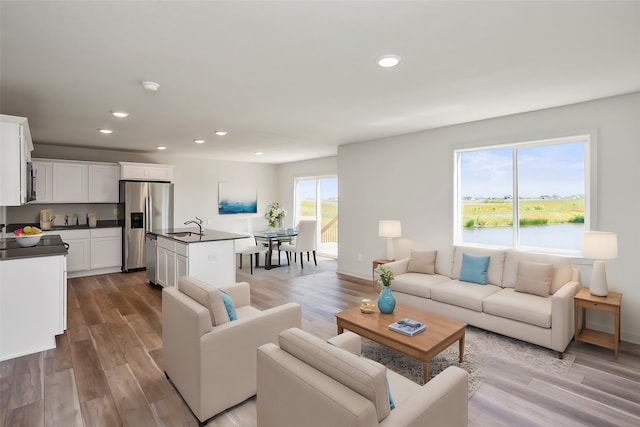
[
  {"x": 386, "y": 61},
  {"x": 160, "y": 147},
  {"x": 221, "y": 133},
  {"x": 120, "y": 114},
  {"x": 105, "y": 131},
  {"x": 199, "y": 141},
  {"x": 150, "y": 86},
  {"x": 258, "y": 153}
]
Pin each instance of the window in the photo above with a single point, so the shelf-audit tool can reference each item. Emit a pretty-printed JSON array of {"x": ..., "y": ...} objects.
[
  {"x": 317, "y": 197},
  {"x": 528, "y": 195}
]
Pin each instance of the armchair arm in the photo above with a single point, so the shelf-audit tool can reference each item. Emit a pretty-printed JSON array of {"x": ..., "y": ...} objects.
[
  {"x": 562, "y": 312},
  {"x": 239, "y": 292},
  {"x": 348, "y": 341},
  {"x": 443, "y": 401},
  {"x": 399, "y": 267}
]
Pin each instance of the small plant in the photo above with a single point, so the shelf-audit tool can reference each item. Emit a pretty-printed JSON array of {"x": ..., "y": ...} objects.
[
  {"x": 274, "y": 214},
  {"x": 386, "y": 276}
]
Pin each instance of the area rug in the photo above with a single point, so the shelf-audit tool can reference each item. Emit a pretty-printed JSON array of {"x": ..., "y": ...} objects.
[{"x": 480, "y": 347}]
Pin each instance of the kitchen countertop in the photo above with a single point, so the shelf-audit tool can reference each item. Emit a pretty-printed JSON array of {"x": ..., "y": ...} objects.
[
  {"x": 209, "y": 235},
  {"x": 109, "y": 223},
  {"x": 49, "y": 245}
]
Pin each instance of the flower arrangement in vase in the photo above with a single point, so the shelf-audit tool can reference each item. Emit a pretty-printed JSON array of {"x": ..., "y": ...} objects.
[
  {"x": 386, "y": 300},
  {"x": 275, "y": 214}
]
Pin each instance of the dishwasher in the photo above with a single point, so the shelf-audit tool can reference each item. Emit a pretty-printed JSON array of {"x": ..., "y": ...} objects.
[{"x": 150, "y": 242}]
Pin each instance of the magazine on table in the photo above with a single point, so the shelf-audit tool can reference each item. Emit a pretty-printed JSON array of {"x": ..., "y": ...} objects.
[{"x": 408, "y": 326}]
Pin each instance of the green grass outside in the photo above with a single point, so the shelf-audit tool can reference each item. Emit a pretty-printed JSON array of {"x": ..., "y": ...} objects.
[{"x": 499, "y": 213}]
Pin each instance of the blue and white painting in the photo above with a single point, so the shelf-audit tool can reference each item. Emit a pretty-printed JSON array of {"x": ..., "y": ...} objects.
[{"x": 234, "y": 198}]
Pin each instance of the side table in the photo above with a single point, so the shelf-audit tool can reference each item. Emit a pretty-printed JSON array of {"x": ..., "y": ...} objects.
[
  {"x": 376, "y": 263},
  {"x": 609, "y": 304}
]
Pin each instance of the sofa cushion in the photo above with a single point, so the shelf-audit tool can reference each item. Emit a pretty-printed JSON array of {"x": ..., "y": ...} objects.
[
  {"x": 417, "y": 284},
  {"x": 534, "y": 278},
  {"x": 228, "y": 305},
  {"x": 422, "y": 262},
  {"x": 474, "y": 268},
  {"x": 496, "y": 264},
  {"x": 207, "y": 295},
  {"x": 561, "y": 268},
  {"x": 463, "y": 294},
  {"x": 519, "y": 306},
  {"x": 364, "y": 376}
]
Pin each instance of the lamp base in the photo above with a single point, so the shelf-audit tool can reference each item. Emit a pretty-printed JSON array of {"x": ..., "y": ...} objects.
[
  {"x": 598, "y": 285},
  {"x": 391, "y": 255}
]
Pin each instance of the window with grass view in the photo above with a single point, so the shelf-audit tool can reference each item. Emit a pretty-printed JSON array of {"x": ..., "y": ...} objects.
[
  {"x": 529, "y": 195},
  {"x": 317, "y": 199}
]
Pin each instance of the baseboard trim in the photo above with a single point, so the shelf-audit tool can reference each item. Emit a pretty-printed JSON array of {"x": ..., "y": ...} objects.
[{"x": 354, "y": 279}]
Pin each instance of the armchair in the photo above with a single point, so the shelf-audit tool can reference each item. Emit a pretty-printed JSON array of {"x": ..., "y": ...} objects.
[
  {"x": 306, "y": 381},
  {"x": 210, "y": 360}
]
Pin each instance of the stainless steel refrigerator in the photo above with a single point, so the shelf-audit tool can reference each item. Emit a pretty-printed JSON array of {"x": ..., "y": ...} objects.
[{"x": 148, "y": 206}]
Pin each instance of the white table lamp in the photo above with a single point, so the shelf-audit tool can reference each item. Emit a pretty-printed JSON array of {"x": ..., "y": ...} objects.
[
  {"x": 599, "y": 245},
  {"x": 389, "y": 229}
]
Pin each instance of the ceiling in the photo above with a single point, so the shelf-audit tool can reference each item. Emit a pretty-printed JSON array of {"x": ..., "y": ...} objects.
[{"x": 296, "y": 79}]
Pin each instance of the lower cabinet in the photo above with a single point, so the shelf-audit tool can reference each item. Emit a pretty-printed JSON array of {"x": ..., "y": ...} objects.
[
  {"x": 172, "y": 259},
  {"x": 92, "y": 251}
]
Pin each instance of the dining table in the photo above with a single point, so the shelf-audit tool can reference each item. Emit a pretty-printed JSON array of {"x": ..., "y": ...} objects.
[{"x": 272, "y": 239}]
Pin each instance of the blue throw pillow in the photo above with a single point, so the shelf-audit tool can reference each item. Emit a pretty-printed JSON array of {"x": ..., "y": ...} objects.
[
  {"x": 228, "y": 304},
  {"x": 474, "y": 268}
]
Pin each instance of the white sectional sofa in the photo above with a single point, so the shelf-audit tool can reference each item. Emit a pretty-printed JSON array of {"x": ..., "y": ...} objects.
[{"x": 511, "y": 303}]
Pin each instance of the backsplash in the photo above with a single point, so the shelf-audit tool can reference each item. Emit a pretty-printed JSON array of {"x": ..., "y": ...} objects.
[{"x": 31, "y": 213}]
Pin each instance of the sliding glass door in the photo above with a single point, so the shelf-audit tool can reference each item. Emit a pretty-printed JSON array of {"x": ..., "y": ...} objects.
[{"x": 317, "y": 199}]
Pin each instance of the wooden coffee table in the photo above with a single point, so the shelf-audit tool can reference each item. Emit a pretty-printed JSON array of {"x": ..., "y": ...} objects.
[{"x": 441, "y": 332}]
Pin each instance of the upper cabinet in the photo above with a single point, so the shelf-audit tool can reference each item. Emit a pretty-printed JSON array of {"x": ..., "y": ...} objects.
[
  {"x": 103, "y": 183},
  {"x": 76, "y": 182},
  {"x": 146, "y": 172},
  {"x": 15, "y": 152},
  {"x": 70, "y": 182}
]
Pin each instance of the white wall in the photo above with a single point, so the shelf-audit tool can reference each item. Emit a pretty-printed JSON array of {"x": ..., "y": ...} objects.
[
  {"x": 196, "y": 183},
  {"x": 288, "y": 172},
  {"x": 409, "y": 178}
]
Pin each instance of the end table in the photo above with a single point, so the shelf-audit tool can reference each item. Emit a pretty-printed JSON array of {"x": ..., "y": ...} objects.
[{"x": 609, "y": 304}]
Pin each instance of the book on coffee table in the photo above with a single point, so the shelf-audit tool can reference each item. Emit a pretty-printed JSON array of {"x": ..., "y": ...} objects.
[{"x": 408, "y": 326}]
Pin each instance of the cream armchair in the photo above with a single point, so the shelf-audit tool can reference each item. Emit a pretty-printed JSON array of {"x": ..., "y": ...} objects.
[
  {"x": 210, "y": 360},
  {"x": 306, "y": 381}
]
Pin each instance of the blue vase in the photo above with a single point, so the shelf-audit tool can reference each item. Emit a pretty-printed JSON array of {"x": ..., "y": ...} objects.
[{"x": 386, "y": 301}]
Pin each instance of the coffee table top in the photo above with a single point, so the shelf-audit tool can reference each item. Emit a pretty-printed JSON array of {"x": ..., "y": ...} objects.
[{"x": 440, "y": 333}]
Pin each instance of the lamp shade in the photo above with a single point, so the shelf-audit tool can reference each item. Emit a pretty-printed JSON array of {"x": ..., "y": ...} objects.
[
  {"x": 600, "y": 245},
  {"x": 388, "y": 228}
]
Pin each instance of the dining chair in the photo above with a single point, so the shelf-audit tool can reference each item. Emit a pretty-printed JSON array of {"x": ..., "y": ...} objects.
[
  {"x": 251, "y": 251},
  {"x": 305, "y": 242}
]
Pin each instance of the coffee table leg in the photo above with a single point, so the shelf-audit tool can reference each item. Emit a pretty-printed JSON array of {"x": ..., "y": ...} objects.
[
  {"x": 461, "y": 349},
  {"x": 425, "y": 370}
]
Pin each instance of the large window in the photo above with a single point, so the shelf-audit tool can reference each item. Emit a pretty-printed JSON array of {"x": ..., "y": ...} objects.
[
  {"x": 529, "y": 195},
  {"x": 317, "y": 198}
]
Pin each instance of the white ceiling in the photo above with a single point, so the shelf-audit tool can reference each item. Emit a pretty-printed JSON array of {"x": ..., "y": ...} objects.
[{"x": 295, "y": 79}]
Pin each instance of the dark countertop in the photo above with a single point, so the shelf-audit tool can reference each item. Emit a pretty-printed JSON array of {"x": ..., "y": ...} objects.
[
  {"x": 109, "y": 223},
  {"x": 49, "y": 245},
  {"x": 209, "y": 235}
]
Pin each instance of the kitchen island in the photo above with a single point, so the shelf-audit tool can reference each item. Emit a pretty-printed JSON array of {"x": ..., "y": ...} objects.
[
  {"x": 33, "y": 296},
  {"x": 209, "y": 257}
]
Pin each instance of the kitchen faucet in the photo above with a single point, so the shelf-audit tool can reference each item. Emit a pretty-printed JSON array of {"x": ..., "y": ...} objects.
[{"x": 197, "y": 222}]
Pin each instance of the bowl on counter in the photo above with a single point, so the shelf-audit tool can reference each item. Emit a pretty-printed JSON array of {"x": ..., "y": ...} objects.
[{"x": 27, "y": 241}]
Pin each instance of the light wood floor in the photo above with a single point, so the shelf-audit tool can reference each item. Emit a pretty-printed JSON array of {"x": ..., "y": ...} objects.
[{"x": 107, "y": 367}]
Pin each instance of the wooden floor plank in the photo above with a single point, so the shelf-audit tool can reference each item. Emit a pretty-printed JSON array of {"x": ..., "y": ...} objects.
[
  {"x": 62, "y": 407},
  {"x": 28, "y": 381},
  {"x": 151, "y": 379},
  {"x": 171, "y": 411},
  {"x": 100, "y": 412},
  {"x": 58, "y": 359},
  {"x": 31, "y": 415},
  {"x": 133, "y": 408},
  {"x": 90, "y": 378}
]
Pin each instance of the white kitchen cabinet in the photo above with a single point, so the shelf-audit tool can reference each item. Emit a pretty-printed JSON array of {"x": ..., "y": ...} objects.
[
  {"x": 172, "y": 261},
  {"x": 106, "y": 248},
  {"x": 32, "y": 304},
  {"x": 44, "y": 181},
  {"x": 15, "y": 152},
  {"x": 146, "y": 171},
  {"x": 79, "y": 256},
  {"x": 70, "y": 182},
  {"x": 104, "y": 183}
]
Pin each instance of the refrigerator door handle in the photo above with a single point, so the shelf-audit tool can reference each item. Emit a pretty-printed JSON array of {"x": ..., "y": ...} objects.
[{"x": 147, "y": 212}]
